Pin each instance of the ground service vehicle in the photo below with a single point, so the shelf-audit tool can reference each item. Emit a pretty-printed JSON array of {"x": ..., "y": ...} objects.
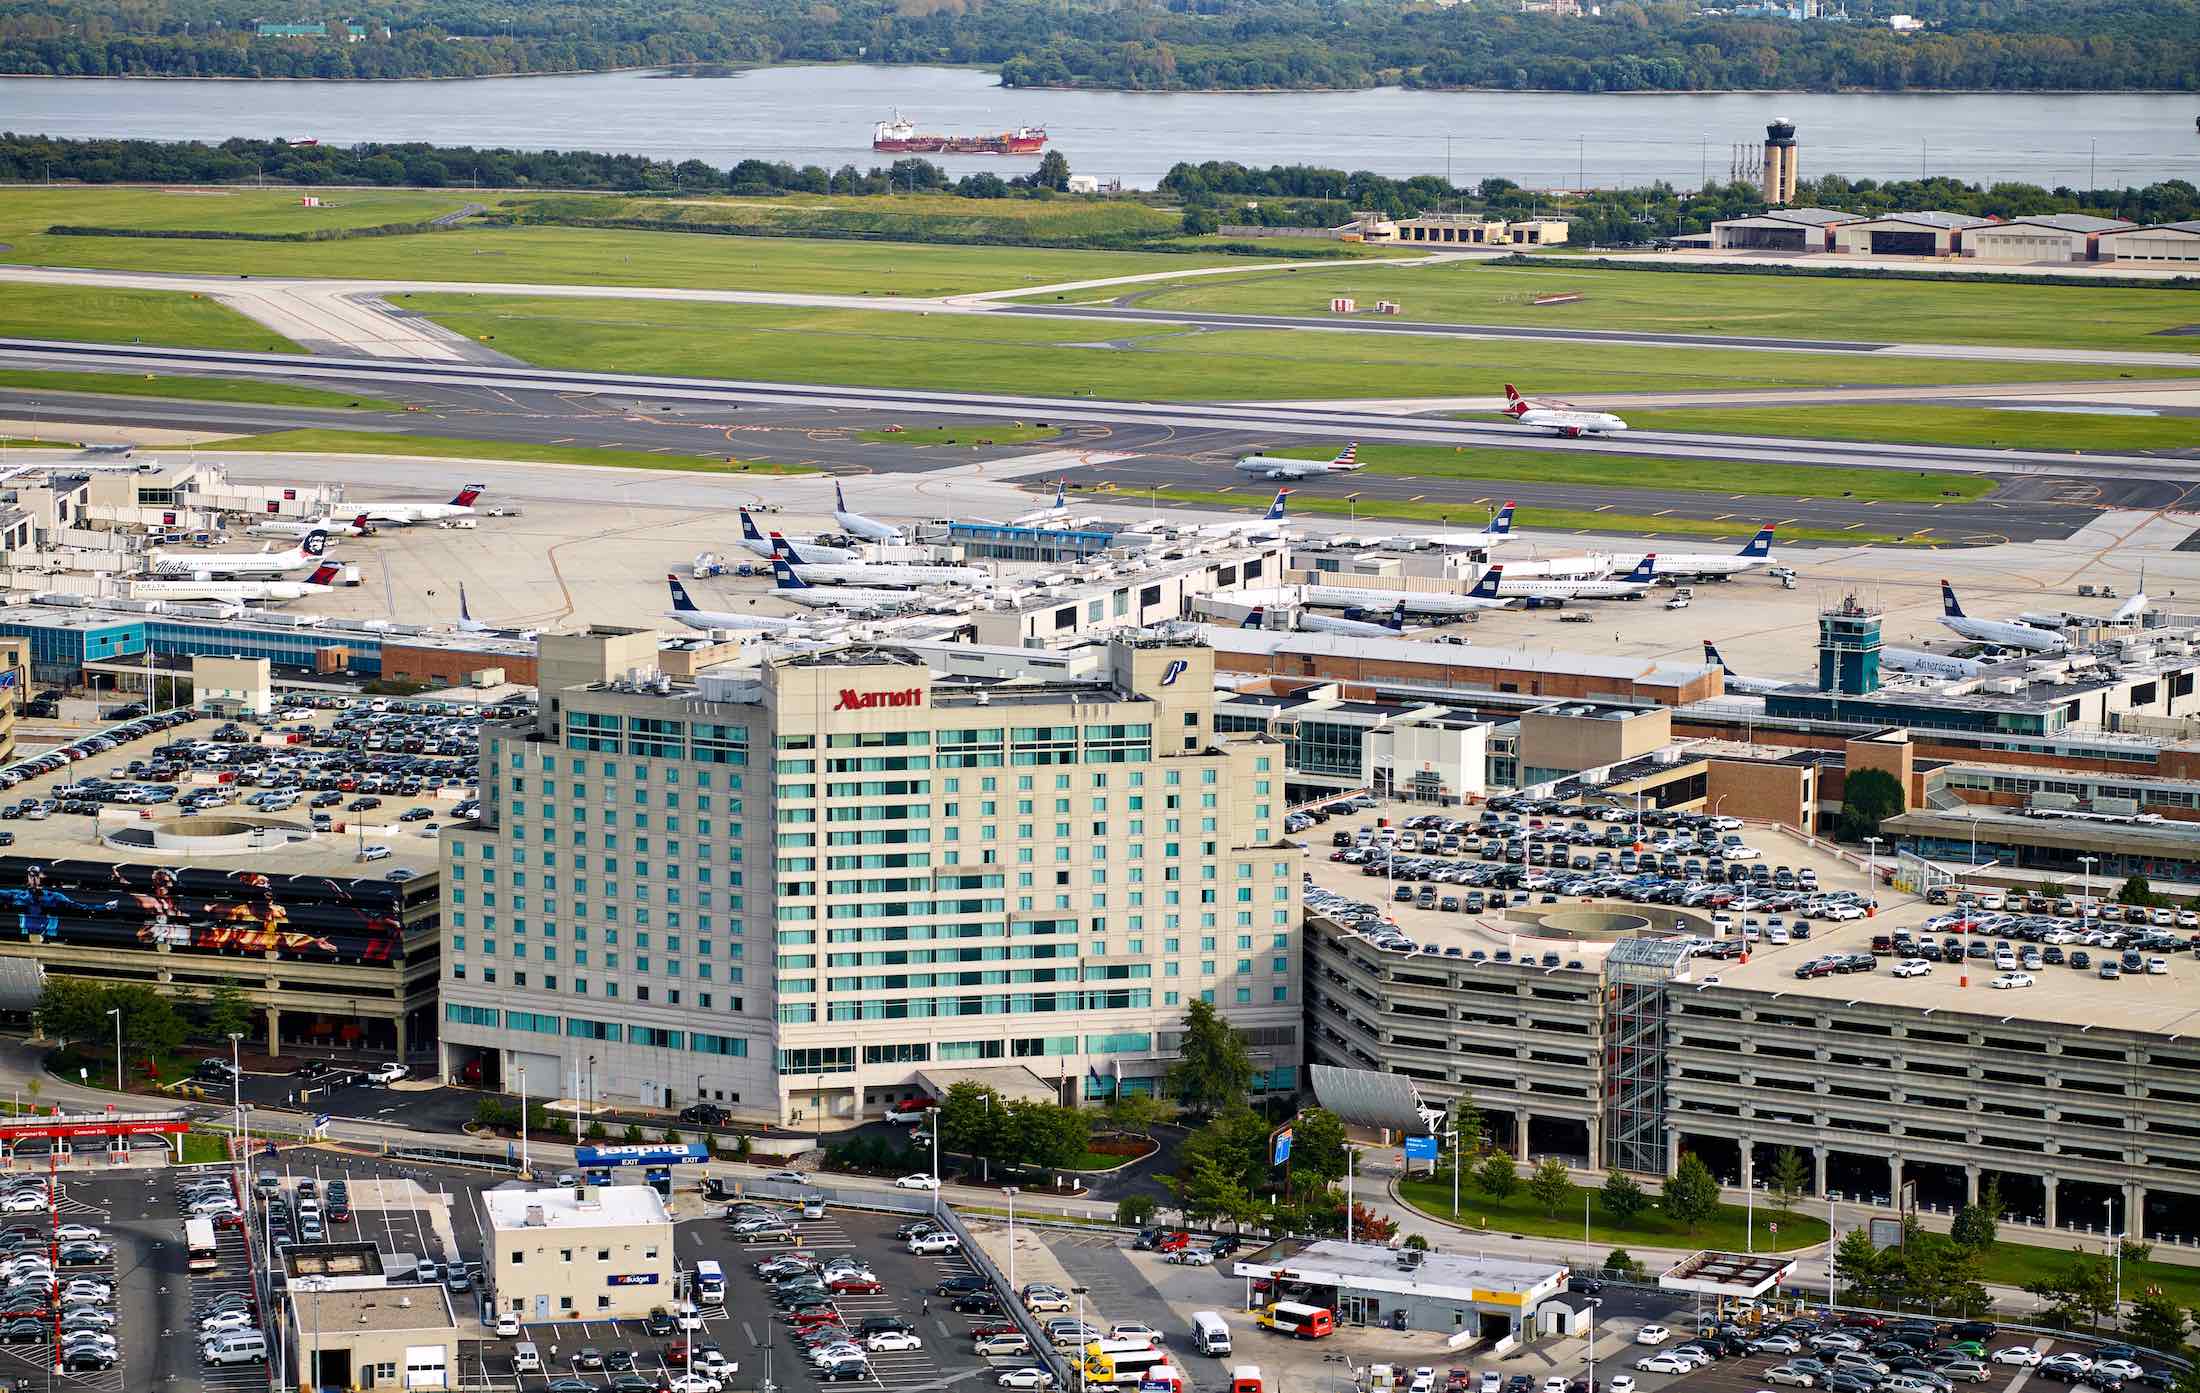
[{"x": 1298, "y": 1319}]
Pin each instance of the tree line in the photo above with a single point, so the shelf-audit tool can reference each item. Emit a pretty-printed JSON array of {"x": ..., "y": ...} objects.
[{"x": 1632, "y": 46}]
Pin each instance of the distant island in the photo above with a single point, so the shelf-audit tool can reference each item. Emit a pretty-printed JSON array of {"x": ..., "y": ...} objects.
[{"x": 1547, "y": 45}]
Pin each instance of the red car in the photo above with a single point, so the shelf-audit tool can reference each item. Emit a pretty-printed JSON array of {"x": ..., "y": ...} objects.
[
  {"x": 812, "y": 1320},
  {"x": 676, "y": 1354},
  {"x": 979, "y": 1332},
  {"x": 1171, "y": 1242},
  {"x": 858, "y": 1286}
]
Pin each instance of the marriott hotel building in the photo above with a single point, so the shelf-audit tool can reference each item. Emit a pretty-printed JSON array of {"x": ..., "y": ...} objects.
[{"x": 816, "y": 884}]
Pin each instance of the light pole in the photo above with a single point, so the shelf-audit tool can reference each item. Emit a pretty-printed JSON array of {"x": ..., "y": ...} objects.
[
  {"x": 1079, "y": 1364},
  {"x": 1871, "y": 864},
  {"x": 1832, "y": 1249},
  {"x": 236, "y": 1081},
  {"x": 1349, "y": 1157},
  {"x": 2088, "y": 862},
  {"x": 523, "y": 1169},
  {"x": 1010, "y": 1191},
  {"x": 116, "y": 1012},
  {"x": 932, "y": 1122},
  {"x": 1749, "y": 1194},
  {"x": 2109, "y": 1204}
]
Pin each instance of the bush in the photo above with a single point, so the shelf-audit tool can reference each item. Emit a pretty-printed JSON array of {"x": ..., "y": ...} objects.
[
  {"x": 632, "y": 1133},
  {"x": 496, "y": 1115},
  {"x": 1135, "y": 1211},
  {"x": 596, "y": 1132},
  {"x": 672, "y": 1136},
  {"x": 1417, "y": 1243}
]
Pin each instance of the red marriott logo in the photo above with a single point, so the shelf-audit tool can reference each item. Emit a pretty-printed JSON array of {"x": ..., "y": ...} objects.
[{"x": 853, "y": 700}]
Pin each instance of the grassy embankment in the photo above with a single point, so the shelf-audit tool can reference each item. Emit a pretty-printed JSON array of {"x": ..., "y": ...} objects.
[
  {"x": 1800, "y": 307},
  {"x": 1522, "y": 1213},
  {"x": 345, "y": 442},
  {"x": 1978, "y": 427},
  {"x": 1129, "y": 362},
  {"x": 120, "y": 384},
  {"x": 1660, "y": 476},
  {"x": 165, "y": 318}
]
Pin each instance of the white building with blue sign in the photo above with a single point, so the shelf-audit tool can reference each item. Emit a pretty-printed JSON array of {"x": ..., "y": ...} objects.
[{"x": 579, "y": 1252}]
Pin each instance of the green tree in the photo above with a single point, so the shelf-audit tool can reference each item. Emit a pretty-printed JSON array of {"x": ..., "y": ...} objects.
[
  {"x": 1466, "y": 1125},
  {"x": 1974, "y": 1226},
  {"x": 228, "y": 1011},
  {"x": 971, "y": 1121},
  {"x": 1236, "y": 1143},
  {"x": 2081, "y": 1293},
  {"x": 1692, "y": 1194},
  {"x": 1496, "y": 1177},
  {"x": 1214, "y": 1067},
  {"x": 2138, "y": 890},
  {"x": 2157, "y": 1322},
  {"x": 1200, "y": 222},
  {"x": 1053, "y": 172},
  {"x": 1868, "y": 798},
  {"x": 1858, "y": 1266},
  {"x": 1789, "y": 1179},
  {"x": 1135, "y": 1211},
  {"x": 72, "y": 1009},
  {"x": 151, "y": 1025},
  {"x": 1136, "y": 1112},
  {"x": 1550, "y": 1184},
  {"x": 1624, "y": 1266},
  {"x": 1043, "y": 1134},
  {"x": 1622, "y": 1199},
  {"x": 1207, "y": 1192},
  {"x": 1317, "y": 1145}
]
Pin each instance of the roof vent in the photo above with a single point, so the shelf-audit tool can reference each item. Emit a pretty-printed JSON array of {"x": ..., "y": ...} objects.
[{"x": 536, "y": 1218}]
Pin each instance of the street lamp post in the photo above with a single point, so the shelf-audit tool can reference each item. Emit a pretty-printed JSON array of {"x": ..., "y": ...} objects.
[
  {"x": 1349, "y": 1157},
  {"x": 236, "y": 1082},
  {"x": 1010, "y": 1191},
  {"x": 2109, "y": 1204},
  {"x": 1078, "y": 1364},
  {"x": 932, "y": 1122},
  {"x": 2088, "y": 862},
  {"x": 116, "y": 1012},
  {"x": 523, "y": 1168},
  {"x": 1871, "y": 864}
]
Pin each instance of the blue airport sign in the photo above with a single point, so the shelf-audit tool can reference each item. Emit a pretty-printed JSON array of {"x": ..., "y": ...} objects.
[{"x": 643, "y": 1154}]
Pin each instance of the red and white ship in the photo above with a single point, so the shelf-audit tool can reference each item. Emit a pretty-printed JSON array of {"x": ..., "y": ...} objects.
[{"x": 901, "y": 137}]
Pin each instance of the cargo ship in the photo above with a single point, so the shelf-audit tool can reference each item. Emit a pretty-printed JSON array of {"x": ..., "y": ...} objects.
[{"x": 900, "y": 137}]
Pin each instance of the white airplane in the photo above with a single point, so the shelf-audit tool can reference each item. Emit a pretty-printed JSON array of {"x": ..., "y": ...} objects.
[
  {"x": 1499, "y": 532},
  {"x": 1735, "y": 682},
  {"x": 237, "y": 591},
  {"x": 231, "y": 565},
  {"x": 2126, "y": 613},
  {"x": 2004, "y": 632},
  {"x": 1496, "y": 584},
  {"x": 1708, "y": 565},
  {"x": 879, "y": 573},
  {"x": 467, "y": 624},
  {"x": 1358, "y": 622},
  {"x": 1277, "y": 467},
  {"x": 794, "y": 588},
  {"x": 1054, "y": 514},
  {"x": 1560, "y": 416},
  {"x": 761, "y": 545},
  {"x": 407, "y": 514},
  {"x": 1268, "y": 524},
  {"x": 857, "y": 525},
  {"x": 1930, "y": 664},
  {"x": 1438, "y": 602},
  {"x": 359, "y": 526},
  {"x": 685, "y": 611}
]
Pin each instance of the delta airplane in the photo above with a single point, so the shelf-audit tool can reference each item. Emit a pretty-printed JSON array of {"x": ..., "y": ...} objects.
[
  {"x": 359, "y": 526},
  {"x": 1494, "y": 584},
  {"x": 1930, "y": 664},
  {"x": 794, "y": 588},
  {"x": 2006, "y": 633},
  {"x": 879, "y": 573},
  {"x": 1438, "y": 602},
  {"x": 1276, "y": 467},
  {"x": 1708, "y": 565},
  {"x": 231, "y": 565},
  {"x": 1562, "y": 417},
  {"x": 407, "y": 514},
  {"x": 1735, "y": 682},
  {"x": 237, "y": 591},
  {"x": 685, "y": 611},
  {"x": 757, "y": 543},
  {"x": 1499, "y": 532},
  {"x": 857, "y": 525}
]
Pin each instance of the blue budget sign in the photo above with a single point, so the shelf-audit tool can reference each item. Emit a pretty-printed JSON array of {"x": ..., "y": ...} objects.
[{"x": 642, "y": 1154}]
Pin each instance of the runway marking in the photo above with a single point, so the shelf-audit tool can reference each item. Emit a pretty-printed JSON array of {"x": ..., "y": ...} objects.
[
  {"x": 1602, "y": 508},
  {"x": 1416, "y": 498},
  {"x": 1724, "y": 517},
  {"x": 1852, "y": 527},
  {"x": 1921, "y": 531},
  {"x": 1662, "y": 512}
]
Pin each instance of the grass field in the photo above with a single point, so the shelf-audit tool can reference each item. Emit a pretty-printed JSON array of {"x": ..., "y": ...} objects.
[
  {"x": 1141, "y": 363},
  {"x": 2016, "y": 1264},
  {"x": 1674, "y": 302},
  {"x": 116, "y": 384},
  {"x": 1635, "y": 471},
  {"x": 972, "y": 433},
  {"x": 558, "y": 255},
  {"x": 346, "y": 442},
  {"x": 1939, "y": 425},
  {"x": 171, "y": 320},
  {"x": 1466, "y": 512},
  {"x": 1521, "y": 1213}
]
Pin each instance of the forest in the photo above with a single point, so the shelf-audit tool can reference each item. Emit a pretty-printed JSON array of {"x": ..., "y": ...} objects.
[{"x": 1631, "y": 46}]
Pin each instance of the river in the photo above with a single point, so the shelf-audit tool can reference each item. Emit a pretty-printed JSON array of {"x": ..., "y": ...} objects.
[{"x": 824, "y": 115}]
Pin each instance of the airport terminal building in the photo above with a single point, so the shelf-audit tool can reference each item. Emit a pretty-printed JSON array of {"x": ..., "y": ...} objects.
[{"x": 796, "y": 886}]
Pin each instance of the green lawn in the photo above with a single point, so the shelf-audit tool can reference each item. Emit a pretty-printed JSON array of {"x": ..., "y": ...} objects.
[
  {"x": 2017, "y": 1264},
  {"x": 169, "y": 319},
  {"x": 204, "y": 1149},
  {"x": 26, "y": 211},
  {"x": 1939, "y": 425},
  {"x": 1803, "y": 307},
  {"x": 1467, "y": 512},
  {"x": 118, "y": 384},
  {"x": 974, "y": 433},
  {"x": 1521, "y": 1213},
  {"x": 354, "y": 442},
  {"x": 1133, "y": 362},
  {"x": 1634, "y": 471}
]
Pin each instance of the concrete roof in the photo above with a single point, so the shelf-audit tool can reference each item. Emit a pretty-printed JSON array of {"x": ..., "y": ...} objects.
[
  {"x": 1392, "y": 650},
  {"x": 1789, "y": 217},
  {"x": 351, "y": 1310},
  {"x": 1011, "y": 1081},
  {"x": 2070, "y": 222},
  {"x": 2191, "y": 227},
  {"x": 1374, "y": 1267},
  {"x": 1946, "y": 222},
  {"x": 608, "y": 1206}
]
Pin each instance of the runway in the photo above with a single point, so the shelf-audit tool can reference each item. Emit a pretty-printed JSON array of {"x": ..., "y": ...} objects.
[{"x": 1275, "y": 424}]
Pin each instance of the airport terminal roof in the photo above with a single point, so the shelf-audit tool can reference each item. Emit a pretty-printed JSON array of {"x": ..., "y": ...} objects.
[{"x": 1392, "y": 650}]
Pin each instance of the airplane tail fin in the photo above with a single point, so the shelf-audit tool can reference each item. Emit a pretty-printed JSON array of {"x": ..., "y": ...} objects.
[
  {"x": 1948, "y": 605},
  {"x": 463, "y": 616},
  {"x": 784, "y": 574},
  {"x": 1502, "y": 524},
  {"x": 1275, "y": 509},
  {"x": 315, "y": 543},
  {"x": 1514, "y": 402},
  {"x": 1061, "y": 493},
  {"x": 363, "y": 525},
  {"x": 840, "y": 500},
  {"x": 1396, "y": 619},
  {"x": 1711, "y": 656},
  {"x": 1349, "y": 457},
  {"x": 1258, "y": 619},
  {"x": 325, "y": 574},
  {"x": 681, "y": 604},
  {"x": 1760, "y": 545},
  {"x": 1486, "y": 587},
  {"x": 1646, "y": 570},
  {"x": 466, "y": 496},
  {"x": 781, "y": 547},
  {"x": 748, "y": 528}
]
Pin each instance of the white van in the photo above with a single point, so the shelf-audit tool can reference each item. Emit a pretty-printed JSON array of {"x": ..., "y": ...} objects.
[
  {"x": 526, "y": 1359},
  {"x": 237, "y": 1347},
  {"x": 1209, "y": 1335}
]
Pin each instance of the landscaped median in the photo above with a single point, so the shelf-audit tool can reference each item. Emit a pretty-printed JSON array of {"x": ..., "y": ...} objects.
[{"x": 1727, "y": 1227}]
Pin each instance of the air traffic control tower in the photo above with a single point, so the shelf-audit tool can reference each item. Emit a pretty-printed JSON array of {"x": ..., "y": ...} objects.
[
  {"x": 1780, "y": 153},
  {"x": 1848, "y": 648}
]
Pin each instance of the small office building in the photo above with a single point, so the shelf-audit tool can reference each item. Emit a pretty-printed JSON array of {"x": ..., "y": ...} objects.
[
  {"x": 370, "y": 1337},
  {"x": 579, "y": 1252},
  {"x": 1374, "y": 1284}
]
